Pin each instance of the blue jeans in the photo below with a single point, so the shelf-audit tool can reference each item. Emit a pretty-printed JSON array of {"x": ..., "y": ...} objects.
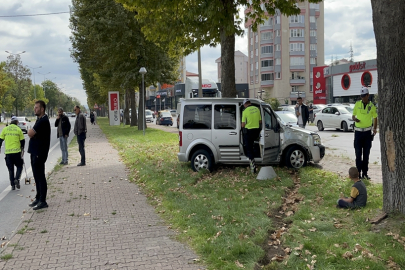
[
  {"x": 64, "y": 148},
  {"x": 80, "y": 140}
]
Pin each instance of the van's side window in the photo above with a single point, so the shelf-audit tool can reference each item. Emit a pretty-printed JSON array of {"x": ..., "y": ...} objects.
[
  {"x": 225, "y": 116},
  {"x": 197, "y": 117},
  {"x": 270, "y": 121}
]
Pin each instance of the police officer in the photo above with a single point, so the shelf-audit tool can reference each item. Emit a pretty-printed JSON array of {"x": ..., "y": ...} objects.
[
  {"x": 14, "y": 148},
  {"x": 251, "y": 121},
  {"x": 363, "y": 114}
]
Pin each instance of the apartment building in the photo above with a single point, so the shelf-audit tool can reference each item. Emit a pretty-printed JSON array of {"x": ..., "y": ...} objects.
[
  {"x": 283, "y": 52},
  {"x": 241, "y": 67}
]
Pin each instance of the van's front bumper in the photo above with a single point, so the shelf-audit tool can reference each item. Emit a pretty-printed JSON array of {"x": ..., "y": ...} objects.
[
  {"x": 318, "y": 152},
  {"x": 182, "y": 157}
]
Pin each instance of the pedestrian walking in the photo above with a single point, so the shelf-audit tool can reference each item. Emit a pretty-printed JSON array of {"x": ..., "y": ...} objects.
[
  {"x": 302, "y": 113},
  {"x": 14, "y": 150},
  {"x": 92, "y": 118},
  {"x": 63, "y": 124},
  {"x": 80, "y": 131},
  {"x": 311, "y": 113},
  {"x": 40, "y": 140},
  {"x": 95, "y": 117},
  {"x": 251, "y": 121},
  {"x": 364, "y": 114}
]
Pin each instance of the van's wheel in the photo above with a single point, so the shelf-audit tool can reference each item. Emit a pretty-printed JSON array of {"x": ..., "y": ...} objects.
[
  {"x": 295, "y": 158},
  {"x": 320, "y": 125},
  {"x": 200, "y": 160},
  {"x": 345, "y": 127}
]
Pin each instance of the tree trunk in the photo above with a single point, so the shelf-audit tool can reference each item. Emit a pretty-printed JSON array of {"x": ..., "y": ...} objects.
[
  {"x": 127, "y": 106},
  {"x": 134, "y": 117},
  {"x": 227, "y": 65},
  {"x": 388, "y": 18},
  {"x": 141, "y": 110}
]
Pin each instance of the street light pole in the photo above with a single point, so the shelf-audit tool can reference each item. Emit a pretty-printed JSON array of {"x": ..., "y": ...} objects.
[
  {"x": 143, "y": 72},
  {"x": 35, "y": 90},
  {"x": 15, "y": 53}
]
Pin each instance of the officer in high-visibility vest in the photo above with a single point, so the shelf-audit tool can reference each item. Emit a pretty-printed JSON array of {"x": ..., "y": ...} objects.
[
  {"x": 364, "y": 113},
  {"x": 14, "y": 150},
  {"x": 251, "y": 121}
]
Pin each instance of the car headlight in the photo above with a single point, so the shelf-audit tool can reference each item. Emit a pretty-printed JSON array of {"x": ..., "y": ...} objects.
[
  {"x": 350, "y": 119},
  {"x": 317, "y": 139}
]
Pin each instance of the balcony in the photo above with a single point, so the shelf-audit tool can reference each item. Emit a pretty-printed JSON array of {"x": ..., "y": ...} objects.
[
  {"x": 267, "y": 83},
  {"x": 300, "y": 53},
  {"x": 297, "y": 81},
  {"x": 295, "y": 94},
  {"x": 297, "y": 68},
  {"x": 302, "y": 39},
  {"x": 269, "y": 68}
]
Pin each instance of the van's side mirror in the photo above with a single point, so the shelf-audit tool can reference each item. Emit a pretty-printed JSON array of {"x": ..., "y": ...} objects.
[{"x": 337, "y": 113}]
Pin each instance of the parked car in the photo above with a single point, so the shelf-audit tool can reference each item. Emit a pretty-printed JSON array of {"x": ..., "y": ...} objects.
[
  {"x": 23, "y": 123},
  {"x": 337, "y": 117},
  {"x": 289, "y": 108},
  {"x": 148, "y": 116},
  {"x": 1, "y": 118},
  {"x": 210, "y": 133},
  {"x": 69, "y": 114},
  {"x": 287, "y": 118},
  {"x": 173, "y": 112},
  {"x": 318, "y": 107},
  {"x": 164, "y": 118}
]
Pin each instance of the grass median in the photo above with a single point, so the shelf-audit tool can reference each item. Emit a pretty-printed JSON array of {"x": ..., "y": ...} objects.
[{"x": 233, "y": 221}]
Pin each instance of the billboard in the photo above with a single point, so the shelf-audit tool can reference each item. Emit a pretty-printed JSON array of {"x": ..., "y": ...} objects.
[
  {"x": 114, "y": 108},
  {"x": 319, "y": 85}
]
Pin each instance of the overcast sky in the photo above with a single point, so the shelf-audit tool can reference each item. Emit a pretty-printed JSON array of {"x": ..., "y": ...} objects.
[{"x": 46, "y": 39}]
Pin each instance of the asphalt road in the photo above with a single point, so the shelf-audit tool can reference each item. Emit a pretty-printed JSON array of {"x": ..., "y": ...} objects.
[{"x": 14, "y": 202}]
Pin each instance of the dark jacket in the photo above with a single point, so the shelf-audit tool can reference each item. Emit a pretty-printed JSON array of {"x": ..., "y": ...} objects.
[
  {"x": 65, "y": 125},
  {"x": 305, "y": 113}
]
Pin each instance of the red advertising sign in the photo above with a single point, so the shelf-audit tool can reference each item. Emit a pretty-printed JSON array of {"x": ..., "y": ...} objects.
[
  {"x": 114, "y": 101},
  {"x": 319, "y": 85}
]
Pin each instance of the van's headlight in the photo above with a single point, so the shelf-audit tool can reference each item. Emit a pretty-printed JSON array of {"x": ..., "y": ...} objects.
[{"x": 317, "y": 139}]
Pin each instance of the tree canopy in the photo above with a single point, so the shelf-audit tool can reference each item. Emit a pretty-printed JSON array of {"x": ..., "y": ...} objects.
[{"x": 193, "y": 24}]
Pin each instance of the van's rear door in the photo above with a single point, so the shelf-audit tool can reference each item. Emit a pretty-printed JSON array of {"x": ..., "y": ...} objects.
[{"x": 270, "y": 136}]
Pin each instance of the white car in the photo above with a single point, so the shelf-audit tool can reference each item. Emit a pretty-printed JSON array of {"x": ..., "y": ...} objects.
[
  {"x": 287, "y": 118},
  {"x": 23, "y": 124},
  {"x": 1, "y": 118},
  {"x": 318, "y": 107},
  {"x": 148, "y": 116},
  {"x": 337, "y": 117}
]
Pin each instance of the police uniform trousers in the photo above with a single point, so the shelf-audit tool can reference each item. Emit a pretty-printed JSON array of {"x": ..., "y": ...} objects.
[
  {"x": 362, "y": 146},
  {"x": 250, "y": 136},
  {"x": 11, "y": 161}
]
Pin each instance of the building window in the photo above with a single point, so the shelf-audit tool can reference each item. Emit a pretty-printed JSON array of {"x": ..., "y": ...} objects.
[
  {"x": 251, "y": 79},
  {"x": 251, "y": 54},
  {"x": 312, "y": 61},
  {"x": 278, "y": 47},
  {"x": 366, "y": 79},
  {"x": 267, "y": 49},
  {"x": 297, "y": 61},
  {"x": 278, "y": 61},
  {"x": 251, "y": 67},
  {"x": 278, "y": 75},
  {"x": 296, "y": 47},
  {"x": 251, "y": 41},
  {"x": 312, "y": 33},
  {"x": 311, "y": 75},
  {"x": 267, "y": 63},
  {"x": 311, "y": 88},
  {"x": 257, "y": 38},
  {"x": 296, "y": 32},
  {"x": 296, "y": 19},
  {"x": 312, "y": 19},
  {"x": 314, "y": 6},
  {"x": 278, "y": 21},
  {"x": 257, "y": 79},
  {"x": 346, "y": 82},
  {"x": 267, "y": 35},
  {"x": 267, "y": 76},
  {"x": 257, "y": 65},
  {"x": 312, "y": 47},
  {"x": 257, "y": 52},
  {"x": 277, "y": 33},
  {"x": 268, "y": 22},
  {"x": 294, "y": 88}
]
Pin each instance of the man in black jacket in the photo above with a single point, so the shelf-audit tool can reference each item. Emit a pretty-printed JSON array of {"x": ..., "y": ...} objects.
[
  {"x": 302, "y": 113},
  {"x": 63, "y": 124}
]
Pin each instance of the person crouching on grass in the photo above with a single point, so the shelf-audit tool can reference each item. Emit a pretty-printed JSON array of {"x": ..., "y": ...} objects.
[{"x": 358, "y": 193}]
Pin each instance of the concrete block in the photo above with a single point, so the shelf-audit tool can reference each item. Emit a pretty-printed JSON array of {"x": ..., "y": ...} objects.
[{"x": 266, "y": 173}]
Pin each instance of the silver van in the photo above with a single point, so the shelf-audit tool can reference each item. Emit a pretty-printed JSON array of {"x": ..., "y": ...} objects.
[{"x": 210, "y": 132}]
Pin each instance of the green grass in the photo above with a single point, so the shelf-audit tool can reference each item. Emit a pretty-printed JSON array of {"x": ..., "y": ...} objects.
[
  {"x": 224, "y": 216},
  {"x": 6, "y": 257}
]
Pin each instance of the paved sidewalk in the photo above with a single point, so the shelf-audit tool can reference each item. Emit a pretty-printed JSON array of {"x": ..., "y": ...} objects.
[{"x": 96, "y": 220}]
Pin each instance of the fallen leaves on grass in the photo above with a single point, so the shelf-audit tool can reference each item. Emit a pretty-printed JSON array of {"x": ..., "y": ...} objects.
[
  {"x": 347, "y": 255},
  {"x": 238, "y": 264}
]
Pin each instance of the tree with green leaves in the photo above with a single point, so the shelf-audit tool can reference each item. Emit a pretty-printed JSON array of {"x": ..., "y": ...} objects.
[
  {"x": 110, "y": 48},
  {"x": 21, "y": 77},
  {"x": 6, "y": 84},
  {"x": 193, "y": 24}
]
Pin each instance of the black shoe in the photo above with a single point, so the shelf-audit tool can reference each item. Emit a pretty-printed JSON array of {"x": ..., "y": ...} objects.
[
  {"x": 40, "y": 205},
  {"x": 33, "y": 203},
  {"x": 17, "y": 183},
  {"x": 62, "y": 163},
  {"x": 365, "y": 176},
  {"x": 12, "y": 187},
  {"x": 81, "y": 164}
]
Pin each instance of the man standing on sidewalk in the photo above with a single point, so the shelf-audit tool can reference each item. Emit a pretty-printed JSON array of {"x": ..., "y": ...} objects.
[
  {"x": 40, "y": 140},
  {"x": 63, "y": 124},
  {"x": 80, "y": 131},
  {"x": 363, "y": 114},
  {"x": 14, "y": 147},
  {"x": 302, "y": 113}
]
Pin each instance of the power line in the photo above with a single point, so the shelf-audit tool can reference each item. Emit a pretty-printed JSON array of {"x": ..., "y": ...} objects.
[{"x": 32, "y": 15}]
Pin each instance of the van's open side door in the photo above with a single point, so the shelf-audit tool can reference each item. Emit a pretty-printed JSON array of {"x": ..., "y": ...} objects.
[{"x": 269, "y": 136}]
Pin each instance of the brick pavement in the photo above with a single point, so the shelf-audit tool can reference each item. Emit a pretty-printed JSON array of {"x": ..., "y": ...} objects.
[{"x": 96, "y": 220}]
